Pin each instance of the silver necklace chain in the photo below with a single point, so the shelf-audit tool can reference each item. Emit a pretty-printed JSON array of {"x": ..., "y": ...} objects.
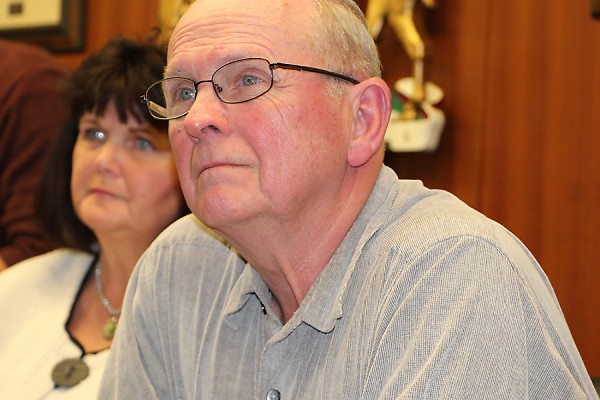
[{"x": 114, "y": 313}]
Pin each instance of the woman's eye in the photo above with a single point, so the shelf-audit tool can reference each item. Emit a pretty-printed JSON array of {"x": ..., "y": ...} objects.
[
  {"x": 144, "y": 144},
  {"x": 94, "y": 134}
]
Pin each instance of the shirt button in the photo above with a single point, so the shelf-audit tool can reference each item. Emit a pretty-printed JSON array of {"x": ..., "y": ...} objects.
[{"x": 273, "y": 394}]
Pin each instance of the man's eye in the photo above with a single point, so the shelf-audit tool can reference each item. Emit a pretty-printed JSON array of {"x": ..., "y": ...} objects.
[
  {"x": 250, "y": 80},
  {"x": 186, "y": 94}
]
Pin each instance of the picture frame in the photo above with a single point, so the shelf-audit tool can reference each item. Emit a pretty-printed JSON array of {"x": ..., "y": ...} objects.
[{"x": 57, "y": 25}]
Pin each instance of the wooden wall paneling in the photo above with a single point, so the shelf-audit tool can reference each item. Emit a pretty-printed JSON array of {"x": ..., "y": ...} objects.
[
  {"x": 108, "y": 18},
  {"x": 541, "y": 167},
  {"x": 516, "y": 82},
  {"x": 455, "y": 60},
  {"x": 572, "y": 174}
]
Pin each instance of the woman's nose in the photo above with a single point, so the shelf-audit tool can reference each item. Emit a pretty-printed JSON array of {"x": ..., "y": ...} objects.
[{"x": 109, "y": 157}]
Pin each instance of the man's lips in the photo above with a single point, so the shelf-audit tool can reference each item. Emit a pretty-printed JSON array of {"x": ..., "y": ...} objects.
[{"x": 217, "y": 165}]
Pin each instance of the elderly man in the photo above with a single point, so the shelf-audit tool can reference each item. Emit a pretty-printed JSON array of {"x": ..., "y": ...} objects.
[{"x": 337, "y": 280}]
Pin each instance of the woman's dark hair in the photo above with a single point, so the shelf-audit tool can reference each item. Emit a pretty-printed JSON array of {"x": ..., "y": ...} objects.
[{"x": 120, "y": 73}]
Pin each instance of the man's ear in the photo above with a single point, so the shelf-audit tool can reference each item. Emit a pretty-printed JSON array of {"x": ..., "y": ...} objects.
[{"x": 371, "y": 108}]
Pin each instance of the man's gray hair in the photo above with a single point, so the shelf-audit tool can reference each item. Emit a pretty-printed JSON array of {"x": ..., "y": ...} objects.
[{"x": 342, "y": 38}]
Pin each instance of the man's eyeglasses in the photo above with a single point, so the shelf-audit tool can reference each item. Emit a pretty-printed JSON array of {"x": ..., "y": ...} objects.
[{"x": 235, "y": 82}]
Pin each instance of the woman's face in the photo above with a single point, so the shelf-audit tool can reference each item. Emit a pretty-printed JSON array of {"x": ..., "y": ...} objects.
[{"x": 124, "y": 180}]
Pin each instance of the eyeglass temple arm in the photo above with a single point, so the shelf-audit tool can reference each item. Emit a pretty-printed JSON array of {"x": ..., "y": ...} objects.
[{"x": 312, "y": 69}]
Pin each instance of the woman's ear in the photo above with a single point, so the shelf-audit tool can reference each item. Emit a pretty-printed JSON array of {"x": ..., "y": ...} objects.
[{"x": 371, "y": 108}]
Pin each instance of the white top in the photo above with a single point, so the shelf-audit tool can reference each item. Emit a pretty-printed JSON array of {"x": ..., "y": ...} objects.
[{"x": 37, "y": 296}]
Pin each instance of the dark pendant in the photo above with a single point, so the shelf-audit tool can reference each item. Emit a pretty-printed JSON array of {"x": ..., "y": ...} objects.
[
  {"x": 109, "y": 328},
  {"x": 70, "y": 372}
]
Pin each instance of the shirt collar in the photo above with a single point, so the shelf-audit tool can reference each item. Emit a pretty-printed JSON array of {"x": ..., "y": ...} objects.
[{"x": 322, "y": 306}]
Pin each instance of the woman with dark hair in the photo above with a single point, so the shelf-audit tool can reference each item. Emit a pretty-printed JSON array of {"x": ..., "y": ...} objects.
[{"x": 111, "y": 187}]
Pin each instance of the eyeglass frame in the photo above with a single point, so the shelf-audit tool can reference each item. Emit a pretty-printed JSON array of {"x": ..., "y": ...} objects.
[{"x": 272, "y": 66}]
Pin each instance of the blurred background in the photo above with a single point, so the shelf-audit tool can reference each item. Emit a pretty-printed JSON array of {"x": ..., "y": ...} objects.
[{"x": 521, "y": 141}]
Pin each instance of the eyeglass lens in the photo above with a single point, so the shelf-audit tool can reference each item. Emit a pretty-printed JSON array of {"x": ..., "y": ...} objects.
[{"x": 235, "y": 82}]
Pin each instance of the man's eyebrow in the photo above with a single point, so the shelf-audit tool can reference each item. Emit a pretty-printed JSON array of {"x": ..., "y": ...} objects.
[
  {"x": 214, "y": 64},
  {"x": 168, "y": 72}
]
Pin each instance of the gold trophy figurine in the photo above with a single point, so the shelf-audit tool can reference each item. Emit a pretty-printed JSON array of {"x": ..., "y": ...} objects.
[
  {"x": 399, "y": 14},
  {"x": 415, "y": 124},
  {"x": 169, "y": 12}
]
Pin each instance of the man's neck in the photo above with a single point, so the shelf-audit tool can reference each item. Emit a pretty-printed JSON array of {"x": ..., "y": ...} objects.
[{"x": 290, "y": 255}]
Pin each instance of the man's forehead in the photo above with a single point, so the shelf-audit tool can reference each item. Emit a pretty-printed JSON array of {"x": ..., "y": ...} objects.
[
  {"x": 290, "y": 16},
  {"x": 216, "y": 26}
]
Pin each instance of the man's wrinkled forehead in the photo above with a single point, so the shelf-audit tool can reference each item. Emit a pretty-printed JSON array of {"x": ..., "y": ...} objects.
[{"x": 213, "y": 22}]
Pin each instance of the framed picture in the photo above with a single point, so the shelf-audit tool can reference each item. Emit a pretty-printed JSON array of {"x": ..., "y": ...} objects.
[{"x": 57, "y": 25}]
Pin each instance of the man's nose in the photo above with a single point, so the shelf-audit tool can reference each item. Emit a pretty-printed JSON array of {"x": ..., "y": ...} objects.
[{"x": 206, "y": 114}]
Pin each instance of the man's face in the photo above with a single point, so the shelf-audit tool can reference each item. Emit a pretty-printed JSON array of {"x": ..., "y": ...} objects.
[{"x": 270, "y": 160}]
